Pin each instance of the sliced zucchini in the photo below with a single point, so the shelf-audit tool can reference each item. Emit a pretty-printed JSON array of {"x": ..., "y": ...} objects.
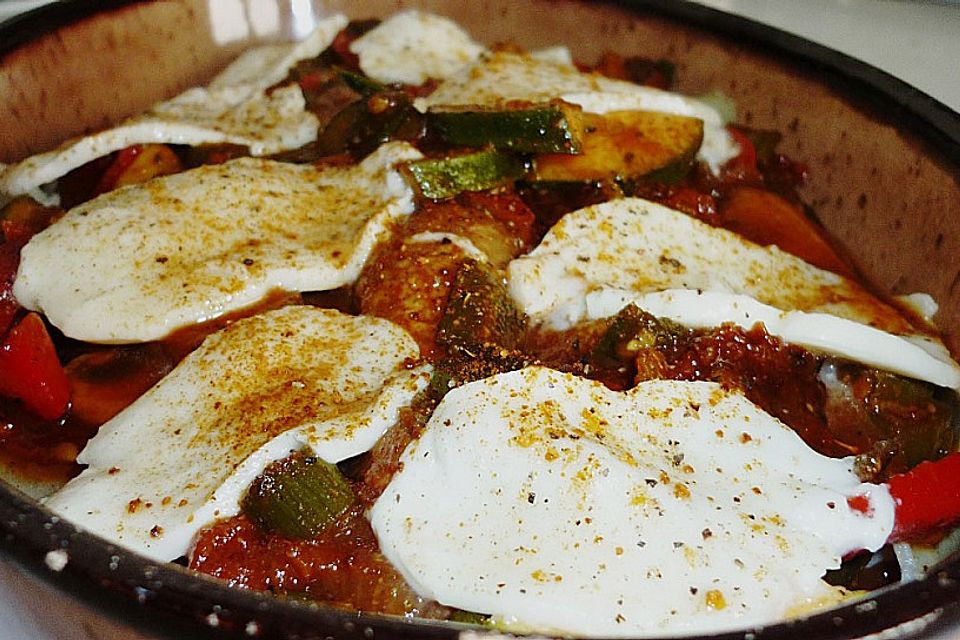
[
  {"x": 553, "y": 127},
  {"x": 364, "y": 85},
  {"x": 632, "y": 331},
  {"x": 469, "y": 617},
  {"x": 625, "y": 144},
  {"x": 480, "y": 312},
  {"x": 903, "y": 422},
  {"x": 471, "y": 364},
  {"x": 440, "y": 178},
  {"x": 363, "y": 125},
  {"x": 298, "y": 497},
  {"x": 480, "y": 330}
]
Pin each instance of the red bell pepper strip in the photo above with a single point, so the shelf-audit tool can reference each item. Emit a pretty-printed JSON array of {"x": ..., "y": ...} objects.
[
  {"x": 744, "y": 164},
  {"x": 121, "y": 162},
  {"x": 927, "y": 498},
  {"x": 13, "y": 236},
  {"x": 30, "y": 370},
  {"x": 9, "y": 259}
]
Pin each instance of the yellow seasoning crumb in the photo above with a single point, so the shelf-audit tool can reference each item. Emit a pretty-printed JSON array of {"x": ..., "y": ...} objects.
[
  {"x": 715, "y": 600},
  {"x": 680, "y": 491},
  {"x": 543, "y": 576}
]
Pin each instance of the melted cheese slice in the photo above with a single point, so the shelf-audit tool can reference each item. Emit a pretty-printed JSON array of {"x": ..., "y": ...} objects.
[
  {"x": 139, "y": 262},
  {"x": 502, "y": 76},
  {"x": 183, "y": 454},
  {"x": 233, "y": 108},
  {"x": 598, "y": 259},
  {"x": 411, "y": 47},
  {"x": 262, "y": 67},
  {"x": 675, "y": 507}
]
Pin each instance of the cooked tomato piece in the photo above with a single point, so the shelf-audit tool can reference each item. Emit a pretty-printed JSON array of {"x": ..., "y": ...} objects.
[
  {"x": 9, "y": 260},
  {"x": 30, "y": 369}
]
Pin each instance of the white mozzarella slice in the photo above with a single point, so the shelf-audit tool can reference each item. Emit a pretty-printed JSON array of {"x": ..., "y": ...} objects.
[
  {"x": 265, "y": 124},
  {"x": 411, "y": 47},
  {"x": 261, "y": 67},
  {"x": 557, "y": 54},
  {"x": 921, "y": 304},
  {"x": 183, "y": 454},
  {"x": 703, "y": 276},
  {"x": 139, "y": 262},
  {"x": 232, "y": 109},
  {"x": 501, "y": 76},
  {"x": 675, "y": 507}
]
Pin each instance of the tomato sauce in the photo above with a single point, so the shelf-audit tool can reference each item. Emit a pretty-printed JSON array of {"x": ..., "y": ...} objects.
[{"x": 341, "y": 566}]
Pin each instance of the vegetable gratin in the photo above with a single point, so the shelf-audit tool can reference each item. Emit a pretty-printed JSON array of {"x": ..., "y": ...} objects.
[{"x": 401, "y": 323}]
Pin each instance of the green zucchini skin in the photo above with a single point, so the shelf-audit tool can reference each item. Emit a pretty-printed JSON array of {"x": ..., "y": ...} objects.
[
  {"x": 363, "y": 125},
  {"x": 539, "y": 128},
  {"x": 441, "y": 178},
  {"x": 298, "y": 497},
  {"x": 480, "y": 312}
]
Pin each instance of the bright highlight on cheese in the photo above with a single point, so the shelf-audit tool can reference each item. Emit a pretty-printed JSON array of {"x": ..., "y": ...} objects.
[
  {"x": 183, "y": 455},
  {"x": 139, "y": 262},
  {"x": 233, "y": 108},
  {"x": 673, "y": 507},
  {"x": 598, "y": 259}
]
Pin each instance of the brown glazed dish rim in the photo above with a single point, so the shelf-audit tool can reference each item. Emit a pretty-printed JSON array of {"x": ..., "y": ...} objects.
[{"x": 169, "y": 601}]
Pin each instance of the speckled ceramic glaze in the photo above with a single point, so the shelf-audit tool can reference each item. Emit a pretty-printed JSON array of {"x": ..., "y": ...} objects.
[{"x": 885, "y": 167}]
